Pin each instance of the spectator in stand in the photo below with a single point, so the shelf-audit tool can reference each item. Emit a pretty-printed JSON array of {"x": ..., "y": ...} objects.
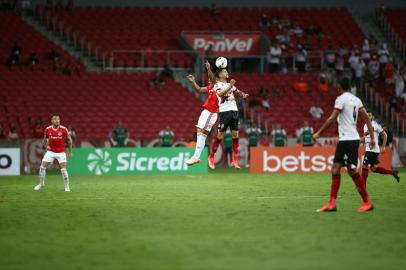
[
  {"x": 301, "y": 85},
  {"x": 264, "y": 22},
  {"x": 300, "y": 58},
  {"x": 316, "y": 112},
  {"x": 330, "y": 57},
  {"x": 399, "y": 80},
  {"x": 157, "y": 81},
  {"x": 274, "y": 57},
  {"x": 389, "y": 72},
  {"x": 13, "y": 134},
  {"x": 359, "y": 72},
  {"x": 166, "y": 136},
  {"x": 2, "y": 131},
  {"x": 15, "y": 54},
  {"x": 393, "y": 104},
  {"x": 53, "y": 55},
  {"x": 353, "y": 59},
  {"x": 339, "y": 65},
  {"x": 119, "y": 135},
  {"x": 264, "y": 95},
  {"x": 73, "y": 134},
  {"x": 366, "y": 51},
  {"x": 383, "y": 58},
  {"x": 323, "y": 85},
  {"x": 305, "y": 135},
  {"x": 373, "y": 69},
  {"x": 279, "y": 137},
  {"x": 297, "y": 30},
  {"x": 284, "y": 36},
  {"x": 32, "y": 61},
  {"x": 373, "y": 43},
  {"x": 38, "y": 129},
  {"x": 167, "y": 71}
]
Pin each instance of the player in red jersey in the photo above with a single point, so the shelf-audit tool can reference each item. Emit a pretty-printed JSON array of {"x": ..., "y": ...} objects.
[
  {"x": 208, "y": 117},
  {"x": 54, "y": 136}
]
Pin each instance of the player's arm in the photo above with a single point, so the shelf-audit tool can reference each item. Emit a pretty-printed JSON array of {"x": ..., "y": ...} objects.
[
  {"x": 241, "y": 94},
  {"x": 45, "y": 142},
  {"x": 210, "y": 73},
  {"x": 384, "y": 141},
  {"x": 364, "y": 116},
  {"x": 332, "y": 118},
  {"x": 69, "y": 145},
  {"x": 223, "y": 92},
  {"x": 198, "y": 89},
  {"x": 362, "y": 139}
]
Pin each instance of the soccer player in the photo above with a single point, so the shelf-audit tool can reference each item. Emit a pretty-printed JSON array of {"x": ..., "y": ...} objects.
[
  {"x": 228, "y": 146},
  {"x": 54, "y": 137},
  {"x": 305, "y": 134},
  {"x": 347, "y": 108},
  {"x": 208, "y": 116},
  {"x": 371, "y": 153},
  {"x": 228, "y": 116},
  {"x": 279, "y": 136}
]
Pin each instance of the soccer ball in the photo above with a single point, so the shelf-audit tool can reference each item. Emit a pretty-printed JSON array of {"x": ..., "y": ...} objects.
[{"x": 221, "y": 62}]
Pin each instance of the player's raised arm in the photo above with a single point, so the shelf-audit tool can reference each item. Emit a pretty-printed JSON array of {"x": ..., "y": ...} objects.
[
  {"x": 364, "y": 116},
  {"x": 332, "y": 118},
  {"x": 198, "y": 89},
  {"x": 210, "y": 73},
  {"x": 228, "y": 89}
]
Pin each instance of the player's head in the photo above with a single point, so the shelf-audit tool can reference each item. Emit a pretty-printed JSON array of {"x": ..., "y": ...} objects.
[
  {"x": 371, "y": 115},
  {"x": 222, "y": 74},
  {"x": 55, "y": 120},
  {"x": 344, "y": 84},
  {"x": 168, "y": 127},
  {"x": 306, "y": 123}
]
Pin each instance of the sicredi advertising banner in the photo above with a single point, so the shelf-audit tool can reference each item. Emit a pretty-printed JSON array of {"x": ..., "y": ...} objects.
[
  {"x": 101, "y": 161},
  {"x": 225, "y": 44},
  {"x": 297, "y": 159},
  {"x": 9, "y": 161}
]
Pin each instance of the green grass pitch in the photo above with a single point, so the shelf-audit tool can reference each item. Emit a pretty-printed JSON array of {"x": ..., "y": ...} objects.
[{"x": 222, "y": 220}]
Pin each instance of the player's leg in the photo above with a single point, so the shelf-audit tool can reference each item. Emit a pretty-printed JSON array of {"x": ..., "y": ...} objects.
[
  {"x": 351, "y": 150},
  {"x": 220, "y": 135},
  {"x": 330, "y": 206},
  {"x": 382, "y": 170},
  {"x": 234, "y": 126},
  {"x": 48, "y": 158},
  {"x": 62, "y": 165},
  {"x": 365, "y": 168},
  {"x": 338, "y": 162},
  {"x": 204, "y": 125}
]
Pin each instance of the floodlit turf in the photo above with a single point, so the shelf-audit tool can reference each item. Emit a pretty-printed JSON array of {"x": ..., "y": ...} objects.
[{"x": 223, "y": 220}]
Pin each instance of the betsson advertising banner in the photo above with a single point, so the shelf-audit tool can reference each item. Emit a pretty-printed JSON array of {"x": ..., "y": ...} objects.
[
  {"x": 101, "y": 161},
  {"x": 225, "y": 44},
  {"x": 297, "y": 159}
]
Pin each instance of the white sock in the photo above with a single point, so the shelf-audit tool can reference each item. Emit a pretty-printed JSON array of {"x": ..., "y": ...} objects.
[
  {"x": 42, "y": 174},
  {"x": 200, "y": 144},
  {"x": 65, "y": 177}
]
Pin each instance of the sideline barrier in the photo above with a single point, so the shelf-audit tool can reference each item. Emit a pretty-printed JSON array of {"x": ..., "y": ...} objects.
[
  {"x": 101, "y": 161},
  {"x": 299, "y": 159}
]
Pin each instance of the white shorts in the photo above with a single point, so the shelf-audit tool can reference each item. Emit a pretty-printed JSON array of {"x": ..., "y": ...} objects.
[
  {"x": 206, "y": 120},
  {"x": 51, "y": 156}
]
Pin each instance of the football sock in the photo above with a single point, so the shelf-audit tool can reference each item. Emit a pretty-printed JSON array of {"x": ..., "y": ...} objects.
[
  {"x": 201, "y": 142},
  {"x": 335, "y": 186},
  {"x": 383, "y": 171},
  {"x": 65, "y": 177},
  {"x": 365, "y": 175},
  {"x": 359, "y": 183},
  {"x": 235, "y": 148},
  {"x": 42, "y": 174},
  {"x": 214, "y": 146}
]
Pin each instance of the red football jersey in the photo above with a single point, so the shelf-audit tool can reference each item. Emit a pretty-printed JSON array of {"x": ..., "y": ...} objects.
[
  {"x": 212, "y": 102},
  {"x": 56, "y": 137}
]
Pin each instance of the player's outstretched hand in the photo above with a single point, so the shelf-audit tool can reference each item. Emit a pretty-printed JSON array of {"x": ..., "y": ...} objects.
[
  {"x": 207, "y": 65},
  {"x": 245, "y": 95},
  {"x": 70, "y": 154},
  {"x": 316, "y": 136},
  {"x": 382, "y": 148},
  {"x": 191, "y": 78},
  {"x": 232, "y": 81}
]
